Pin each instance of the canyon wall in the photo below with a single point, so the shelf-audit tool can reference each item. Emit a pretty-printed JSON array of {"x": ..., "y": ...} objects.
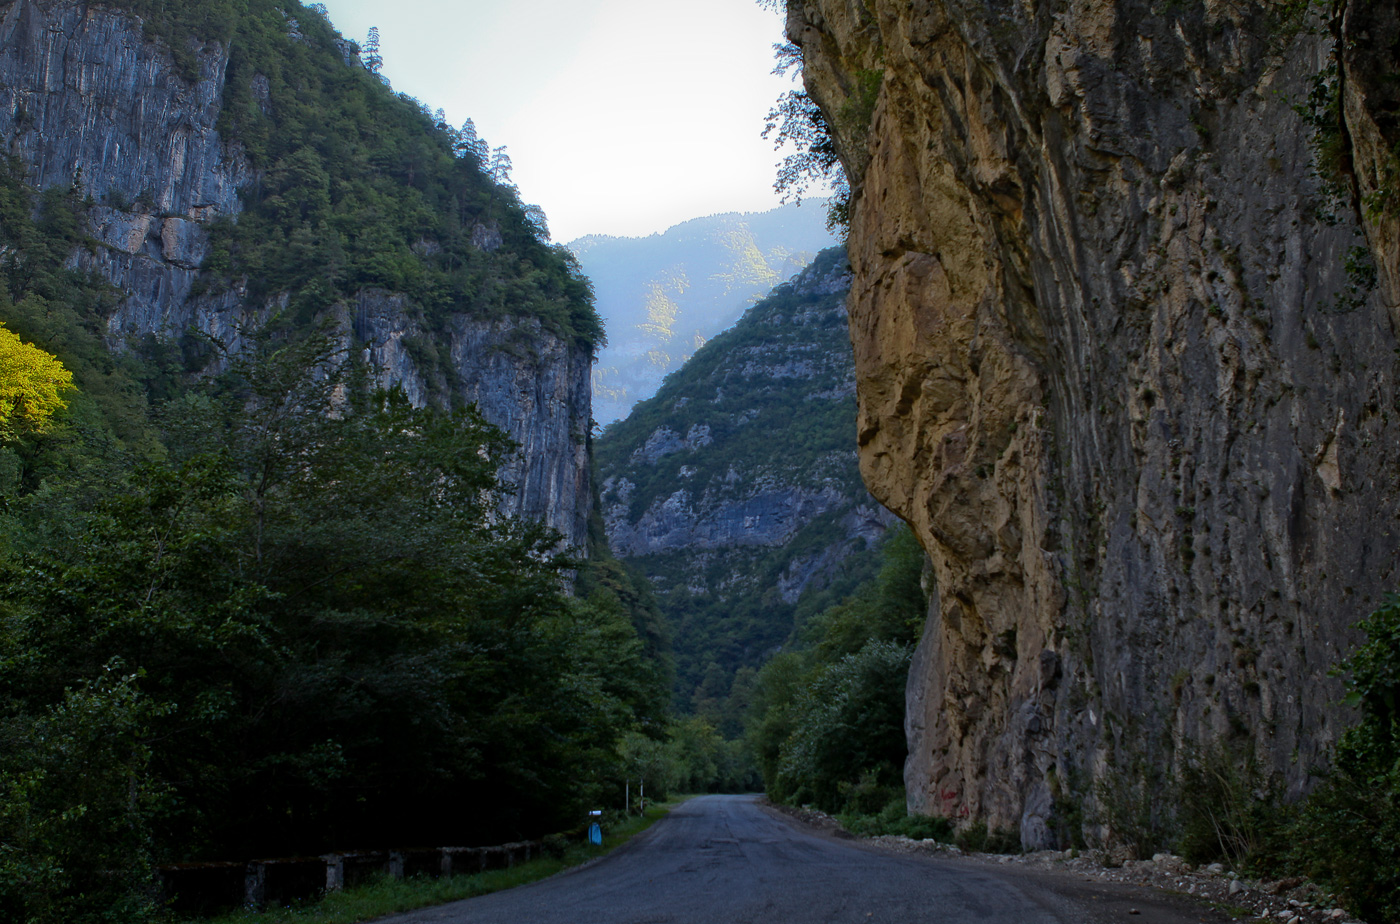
[
  {"x": 1124, "y": 323},
  {"x": 87, "y": 99}
]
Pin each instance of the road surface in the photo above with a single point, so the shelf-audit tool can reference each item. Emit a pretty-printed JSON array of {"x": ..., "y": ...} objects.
[{"x": 730, "y": 860}]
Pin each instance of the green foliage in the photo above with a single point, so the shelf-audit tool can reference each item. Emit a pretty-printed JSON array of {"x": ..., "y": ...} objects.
[
  {"x": 361, "y": 189},
  {"x": 797, "y": 120},
  {"x": 1348, "y": 834},
  {"x": 693, "y": 757},
  {"x": 892, "y": 610},
  {"x": 611, "y": 586},
  {"x": 978, "y": 837},
  {"x": 326, "y": 636},
  {"x": 1322, "y": 112},
  {"x": 1133, "y": 802},
  {"x": 1228, "y": 808},
  {"x": 1374, "y": 685},
  {"x": 892, "y": 818},
  {"x": 849, "y": 719},
  {"x": 703, "y": 761},
  {"x": 827, "y": 721},
  {"x": 75, "y": 803}
]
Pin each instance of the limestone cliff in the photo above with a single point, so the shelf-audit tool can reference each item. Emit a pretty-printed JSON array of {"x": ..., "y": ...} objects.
[
  {"x": 88, "y": 98},
  {"x": 1124, "y": 321}
]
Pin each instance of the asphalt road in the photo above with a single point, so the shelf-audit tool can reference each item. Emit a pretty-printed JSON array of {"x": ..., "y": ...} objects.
[{"x": 730, "y": 860}]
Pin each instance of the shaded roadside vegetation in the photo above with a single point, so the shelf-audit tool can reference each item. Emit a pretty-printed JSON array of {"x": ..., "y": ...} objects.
[
  {"x": 264, "y": 614},
  {"x": 1225, "y": 807},
  {"x": 302, "y": 626},
  {"x": 826, "y": 725},
  {"x": 391, "y": 896}
]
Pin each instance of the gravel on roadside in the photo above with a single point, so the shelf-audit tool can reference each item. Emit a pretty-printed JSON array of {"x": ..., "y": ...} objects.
[{"x": 1285, "y": 901}]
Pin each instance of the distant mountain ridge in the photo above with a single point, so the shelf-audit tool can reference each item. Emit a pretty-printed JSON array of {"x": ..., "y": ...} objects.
[{"x": 662, "y": 296}]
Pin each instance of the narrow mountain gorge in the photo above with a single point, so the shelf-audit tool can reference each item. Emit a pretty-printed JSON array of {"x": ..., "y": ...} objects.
[
  {"x": 1075, "y": 468},
  {"x": 1124, "y": 313},
  {"x": 735, "y": 489},
  {"x": 234, "y": 171}
]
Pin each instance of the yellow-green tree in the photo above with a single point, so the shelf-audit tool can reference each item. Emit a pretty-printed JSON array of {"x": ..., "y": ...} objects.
[{"x": 31, "y": 385}]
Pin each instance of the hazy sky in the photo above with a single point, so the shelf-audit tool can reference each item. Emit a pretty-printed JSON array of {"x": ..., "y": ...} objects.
[{"x": 621, "y": 117}]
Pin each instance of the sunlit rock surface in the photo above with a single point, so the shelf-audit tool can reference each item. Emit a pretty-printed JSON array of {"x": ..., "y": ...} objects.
[{"x": 1114, "y": 368}]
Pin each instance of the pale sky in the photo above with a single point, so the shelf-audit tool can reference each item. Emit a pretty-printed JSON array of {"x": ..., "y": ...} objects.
[{"x": 621, "y": 117}]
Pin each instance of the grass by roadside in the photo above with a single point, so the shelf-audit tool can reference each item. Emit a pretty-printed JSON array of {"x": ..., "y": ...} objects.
[{"x": 390, "y": 896}]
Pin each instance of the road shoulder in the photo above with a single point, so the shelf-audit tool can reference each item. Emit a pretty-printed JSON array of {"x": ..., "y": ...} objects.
[{"x": 1069, "y": 891}]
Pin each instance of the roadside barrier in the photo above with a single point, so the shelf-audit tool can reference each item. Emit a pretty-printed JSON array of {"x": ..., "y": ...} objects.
[{"x": 207, "y": 888}]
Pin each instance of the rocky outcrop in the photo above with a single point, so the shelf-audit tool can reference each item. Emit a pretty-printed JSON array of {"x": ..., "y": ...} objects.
[
  {"x": 1121, "y": 364},
  {"x": 524, "y": 380},
  {"x": 739, "y": 504},
  {"x": 86, "y": 99}
]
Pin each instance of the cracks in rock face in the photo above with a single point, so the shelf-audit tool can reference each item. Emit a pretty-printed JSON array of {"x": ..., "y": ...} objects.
[{"x": 1074, "y": 210}]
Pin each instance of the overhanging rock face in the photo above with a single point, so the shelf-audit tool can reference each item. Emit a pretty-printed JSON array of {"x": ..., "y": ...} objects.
[{"x": 1128, "y": 367}]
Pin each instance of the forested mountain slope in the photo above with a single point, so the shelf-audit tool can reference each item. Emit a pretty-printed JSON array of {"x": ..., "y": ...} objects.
[
  {"x": 235, "y": 166},
  {"x": 268, "y": 585},
  {"x": 735, "y": 488},
  {"x": 664, "y": 295}
]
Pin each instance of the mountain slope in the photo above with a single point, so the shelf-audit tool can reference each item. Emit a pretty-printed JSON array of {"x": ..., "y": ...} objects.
[
  {"x": 240, "y": 170},
  {"x": 663, "y": 296},
  {"x": 735, "y": 488}
]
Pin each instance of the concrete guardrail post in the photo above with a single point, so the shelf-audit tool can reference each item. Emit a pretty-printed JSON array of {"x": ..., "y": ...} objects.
[
  {"x": 255, "y": 886},
  {"x": 335, "y": 871}
]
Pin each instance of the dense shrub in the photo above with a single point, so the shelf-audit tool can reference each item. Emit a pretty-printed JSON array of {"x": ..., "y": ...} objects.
[
  {"x": 300, "y": 630},
  {"x": 1348, "y": 833},
  {"x": 849, "y": 722},
  {"x": 827, "y": 721},
  {"x": 1228, "y": 808}
]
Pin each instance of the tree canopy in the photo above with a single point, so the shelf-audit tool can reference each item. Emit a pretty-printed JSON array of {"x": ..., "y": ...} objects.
[
  {"x": 32, "y": 383},
  {"x": 306, "y": 627}
]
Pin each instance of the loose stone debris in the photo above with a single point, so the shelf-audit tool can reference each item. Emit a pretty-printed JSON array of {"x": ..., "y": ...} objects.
[{"x": 1284, "y": 901}]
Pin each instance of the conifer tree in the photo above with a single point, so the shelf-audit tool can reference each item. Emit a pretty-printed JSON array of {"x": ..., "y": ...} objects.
[{"x": 371, "y": 56}]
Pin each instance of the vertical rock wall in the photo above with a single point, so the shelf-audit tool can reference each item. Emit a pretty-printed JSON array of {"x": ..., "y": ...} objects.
[
  {"x": 86, "y": 99},
  {"x": 1121, "y": 365}
]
